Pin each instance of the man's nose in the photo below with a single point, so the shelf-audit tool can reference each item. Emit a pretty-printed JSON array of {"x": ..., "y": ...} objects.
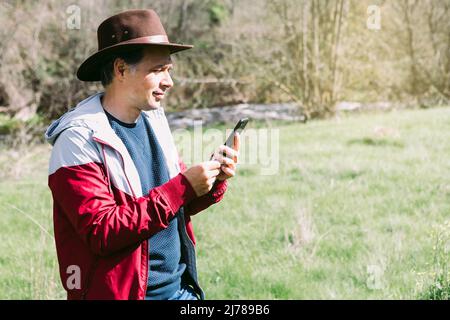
[{"x": 167, "y": 80}]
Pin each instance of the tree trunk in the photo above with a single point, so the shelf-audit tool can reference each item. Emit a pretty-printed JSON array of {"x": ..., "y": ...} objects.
[
  {"x": 316, "y": 52},
  {"x": 182, "y": 16},
  {"x": 305, "y": 51},
  {"x": 410, "y": 45},
  {"x": 336, "y": 48}
]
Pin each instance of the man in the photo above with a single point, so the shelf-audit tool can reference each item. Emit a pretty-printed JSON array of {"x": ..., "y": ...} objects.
[{"x": 122, "y": 197}]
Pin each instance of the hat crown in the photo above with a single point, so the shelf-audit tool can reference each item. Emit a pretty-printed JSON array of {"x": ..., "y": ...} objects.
[
  {"x": 122, "y": 32},
  {"x": 129, "y": 25}
]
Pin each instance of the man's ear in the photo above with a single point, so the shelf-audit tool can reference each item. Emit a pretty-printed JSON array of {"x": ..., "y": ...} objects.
[{"x": 119, "y": 67}]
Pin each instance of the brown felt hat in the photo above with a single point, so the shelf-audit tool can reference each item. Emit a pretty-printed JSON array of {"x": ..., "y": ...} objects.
[{"x": 122, "y": 32}]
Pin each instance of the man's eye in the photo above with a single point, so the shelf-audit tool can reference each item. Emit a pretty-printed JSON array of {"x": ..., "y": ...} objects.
[{"x": 161, "y": 70}]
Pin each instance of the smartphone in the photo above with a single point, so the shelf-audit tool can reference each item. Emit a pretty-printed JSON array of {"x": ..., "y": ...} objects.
[{"x": 238, "y": 128}]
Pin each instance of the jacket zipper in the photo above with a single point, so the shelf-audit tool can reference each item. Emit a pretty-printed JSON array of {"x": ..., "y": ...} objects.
[
  {"x": 106, "y": 169},
  {"x": 146, "y": 247},
  {"x": 103, "y": 143}
]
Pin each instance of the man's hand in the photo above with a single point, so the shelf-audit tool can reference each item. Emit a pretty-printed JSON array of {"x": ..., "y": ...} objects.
[
  {"x": 228, "y": 162},
  {"x": 202, "y": 176}
]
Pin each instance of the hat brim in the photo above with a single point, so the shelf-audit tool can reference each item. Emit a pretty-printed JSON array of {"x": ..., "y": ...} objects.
[{"x": 89, "y": 70}]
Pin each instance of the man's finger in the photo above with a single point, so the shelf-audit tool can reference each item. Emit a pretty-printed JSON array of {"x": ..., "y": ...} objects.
[
  {"x": 213, "y": 173},
  {"x": 212, "y": 180},
  {"x": 223, "y": 160},
  {"x": 231, "y": 166},
  {"x": 236, "y": 145},
  {"x": 228, "y": 151},
  {"x": 228, "y": 171},
  {"x": 211, "y": 165},
  {"x": 237, "y": 141}
]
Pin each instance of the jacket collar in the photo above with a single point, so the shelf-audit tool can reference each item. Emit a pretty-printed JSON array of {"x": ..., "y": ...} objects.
[{"x": 89, "y": 113}]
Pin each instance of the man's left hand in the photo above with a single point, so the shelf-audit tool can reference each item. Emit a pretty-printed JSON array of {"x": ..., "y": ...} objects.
[{"x": 229, "y": 161}]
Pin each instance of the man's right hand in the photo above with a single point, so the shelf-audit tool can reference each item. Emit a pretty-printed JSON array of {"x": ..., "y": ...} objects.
[{"x": 202, "y": 176}]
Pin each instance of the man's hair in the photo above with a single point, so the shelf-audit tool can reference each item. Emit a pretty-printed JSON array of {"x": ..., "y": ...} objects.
[{"x": 132, "y": 58}]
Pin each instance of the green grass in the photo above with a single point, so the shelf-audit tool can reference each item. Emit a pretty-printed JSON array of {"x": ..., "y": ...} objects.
[
  {"x": 27, "y": 253},
  {"x": 351, "y": 213}
]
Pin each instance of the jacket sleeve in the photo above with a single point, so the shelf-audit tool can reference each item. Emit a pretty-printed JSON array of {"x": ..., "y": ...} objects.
[
  {"x": 201, "y": 203},
  {"x": 80, "y": 188}
]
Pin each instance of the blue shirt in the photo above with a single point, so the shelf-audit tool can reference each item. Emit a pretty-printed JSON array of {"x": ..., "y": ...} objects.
[{"x": 165, "y": 265}]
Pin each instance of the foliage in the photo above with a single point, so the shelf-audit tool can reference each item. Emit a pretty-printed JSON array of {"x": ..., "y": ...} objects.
[
  {"x": 312, "y": 52},
  {"x": 435, "y": 283}
]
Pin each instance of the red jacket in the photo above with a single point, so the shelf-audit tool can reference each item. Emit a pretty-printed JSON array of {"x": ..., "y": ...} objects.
[{"x": 102, "y": 221}]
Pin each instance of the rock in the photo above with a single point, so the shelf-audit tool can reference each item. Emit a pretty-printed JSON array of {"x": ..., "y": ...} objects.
[
  {"x": 357, "y": 106},
  {"x": 231, "y": 114}
]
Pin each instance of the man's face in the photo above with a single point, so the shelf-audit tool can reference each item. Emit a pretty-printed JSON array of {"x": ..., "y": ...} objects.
[{"x": 148, "y": 84}]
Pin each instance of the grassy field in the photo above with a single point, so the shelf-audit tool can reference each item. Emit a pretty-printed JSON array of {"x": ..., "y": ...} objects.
[{"x": 359, "y": 209}]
